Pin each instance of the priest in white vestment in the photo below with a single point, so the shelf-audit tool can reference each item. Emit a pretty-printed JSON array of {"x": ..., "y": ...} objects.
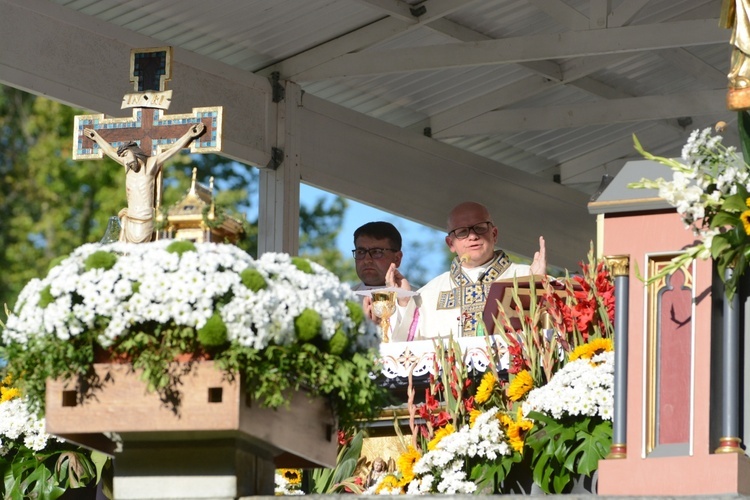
[{"x": 453, "y": 303}]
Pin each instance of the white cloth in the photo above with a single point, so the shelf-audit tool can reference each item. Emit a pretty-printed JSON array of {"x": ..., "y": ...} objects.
[{"x": 437, "y": 322}]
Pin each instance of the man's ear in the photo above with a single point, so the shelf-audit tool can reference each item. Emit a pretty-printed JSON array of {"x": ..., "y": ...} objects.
[
  {"x": 449, "y": 242},
  {"x": 399, "y": 256}
]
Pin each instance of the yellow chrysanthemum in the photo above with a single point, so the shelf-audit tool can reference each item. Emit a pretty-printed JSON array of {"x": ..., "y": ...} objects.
[
  {"x": 484, "y": 391},
  {"x": 440, "y": 434},
  {"x": 8, "y": 393},
  {"x": 293, "y": 476},
  {"x": 473, "y": 414},
  {"x": 521, "y": 384},
  {"x": 7, "y": 380},
  {"x": 389, "y": 483},
  {"x": 745, "y": 217},
  {"x": 587, "y": 351},
  {"x": 405, "y": 464}
]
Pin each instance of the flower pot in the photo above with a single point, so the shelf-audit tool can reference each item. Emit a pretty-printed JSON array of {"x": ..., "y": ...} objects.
[{"x": 215, "y": 432}]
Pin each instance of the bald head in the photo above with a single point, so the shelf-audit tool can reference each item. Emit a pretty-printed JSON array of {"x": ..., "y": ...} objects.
[{"x": 467, "y": 210}]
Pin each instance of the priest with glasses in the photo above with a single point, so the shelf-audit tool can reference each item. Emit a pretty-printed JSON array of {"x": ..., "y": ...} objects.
[{"x": 453, "y": 303}]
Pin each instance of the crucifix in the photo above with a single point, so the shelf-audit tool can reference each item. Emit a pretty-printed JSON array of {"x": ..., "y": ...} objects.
[{"x": 143, "y": 142}]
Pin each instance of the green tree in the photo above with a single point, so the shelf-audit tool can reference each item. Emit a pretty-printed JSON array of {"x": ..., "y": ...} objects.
[{"x": 51, "y": 204}]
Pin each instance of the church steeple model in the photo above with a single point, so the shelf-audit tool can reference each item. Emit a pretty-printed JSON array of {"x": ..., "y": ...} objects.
[{"x": 195, "y": 218}]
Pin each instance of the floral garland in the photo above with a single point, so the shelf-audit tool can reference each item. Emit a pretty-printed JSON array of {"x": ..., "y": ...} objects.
[{"x": 150, "y": 303}]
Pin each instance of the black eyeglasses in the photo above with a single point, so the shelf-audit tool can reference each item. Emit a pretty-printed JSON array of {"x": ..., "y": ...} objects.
[
  {"x": 375, "y": 253},
  {"x": 463, "y": 232}
]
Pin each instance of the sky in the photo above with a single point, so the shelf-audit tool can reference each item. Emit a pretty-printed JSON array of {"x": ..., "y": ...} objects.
[{"x": 430, "y": 240}]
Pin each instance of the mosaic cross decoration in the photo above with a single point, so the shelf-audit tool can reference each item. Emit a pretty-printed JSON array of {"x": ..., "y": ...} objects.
[{"x": 148, "y": 126}]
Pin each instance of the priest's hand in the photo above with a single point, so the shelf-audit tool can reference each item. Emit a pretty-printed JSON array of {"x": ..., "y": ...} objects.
[
  {"x": 367, "y": 308},
  {"x": 394, "y": 278},
  {"x": 539, "y": 264}
]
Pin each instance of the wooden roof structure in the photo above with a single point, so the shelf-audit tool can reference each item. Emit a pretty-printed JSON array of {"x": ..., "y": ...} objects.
[{"x": 409, "y": 106}]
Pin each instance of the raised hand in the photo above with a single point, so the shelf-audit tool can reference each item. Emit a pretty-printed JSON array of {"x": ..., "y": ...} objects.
[
  {"x": 394, "y": 278},
  {"x": 539, "y": 264}
]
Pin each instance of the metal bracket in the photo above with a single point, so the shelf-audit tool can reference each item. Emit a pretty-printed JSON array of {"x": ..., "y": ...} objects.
[
  {"x": 279, "y": 92},
  {"x": 277, "y": 157},
  {"x": 418, "y": 11}
]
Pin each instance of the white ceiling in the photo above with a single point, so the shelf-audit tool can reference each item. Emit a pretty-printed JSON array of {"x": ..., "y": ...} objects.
[{"x": 541, "y": 94}]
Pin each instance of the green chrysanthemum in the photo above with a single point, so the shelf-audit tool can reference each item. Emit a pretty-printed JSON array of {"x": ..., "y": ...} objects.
[
  {"x": 180, "y": 247},
  {"x": 253, "y": 280},
  {"x": 355, "y": 312},
  {"x": 214, "y": 332},
  {"x": 307, "y": 325},
  {"x": 45, "y": 297},
  {"x": 338, "y": 343},
  {"x": 100, "y": 260},
  {"x": 303, "y": 265}
]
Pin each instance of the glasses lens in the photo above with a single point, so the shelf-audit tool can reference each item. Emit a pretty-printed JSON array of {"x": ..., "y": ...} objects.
[
  {"x": 481, "y": 228},
  {"x": 463, "y": 232},
  {"x": 375, "y": 253}
]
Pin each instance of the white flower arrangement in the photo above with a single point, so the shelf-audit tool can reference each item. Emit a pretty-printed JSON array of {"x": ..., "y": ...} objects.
[
  {"x": 443, "y": 469},
  {"x": 583, "y": 387},
  {"x": 149, "y": 283},
  {"x": 710, "y": 189},
  {"x": 20, "y": 426}
]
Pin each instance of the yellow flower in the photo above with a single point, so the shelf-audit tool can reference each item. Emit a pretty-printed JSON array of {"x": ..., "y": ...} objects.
[
  {"x": 745, "y": 217},
  {"x": 484, "y": 391},
  {"x": 440, "y": 434},
  {"x": 7, "y": 380},
  {"x": 505, "y": 420},
  {"x": 521, "y": 384},
  {"x": 405, "y": 464},
  {"x": 293, "y": 476},
  {"x": 8, "y": 393},
  {"x": 473, "y": 414},
  {"x": 517, "y": 433},
  {"x": 587, "y": 351},
  {"x": 389, "y": 483}
]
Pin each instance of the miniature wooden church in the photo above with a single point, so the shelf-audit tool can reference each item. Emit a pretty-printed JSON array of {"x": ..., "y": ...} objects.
[{"x": 195, "y": 218}]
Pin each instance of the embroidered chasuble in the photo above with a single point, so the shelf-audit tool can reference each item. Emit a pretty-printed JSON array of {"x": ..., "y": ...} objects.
[
  {"x": 453, "y": 302},
  {"x": 470, "y": 296}
]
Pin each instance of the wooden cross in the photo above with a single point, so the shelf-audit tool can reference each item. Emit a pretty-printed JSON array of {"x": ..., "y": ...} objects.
[{"x": 149, "y": 127}]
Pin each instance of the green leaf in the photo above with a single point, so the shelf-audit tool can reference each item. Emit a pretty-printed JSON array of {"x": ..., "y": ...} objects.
[
  {"x": 735, "y": 202},
  {"x": 722, "y": 219}
]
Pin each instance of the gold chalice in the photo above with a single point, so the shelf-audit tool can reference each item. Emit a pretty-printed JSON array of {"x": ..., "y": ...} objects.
[{"x": 383, "y": 307}]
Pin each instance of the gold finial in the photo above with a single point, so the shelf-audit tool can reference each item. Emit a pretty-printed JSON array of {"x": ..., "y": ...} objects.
[{"x": 192, "y": 182}]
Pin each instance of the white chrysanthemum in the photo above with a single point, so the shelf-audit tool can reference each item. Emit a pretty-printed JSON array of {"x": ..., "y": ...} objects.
[
  {"x": 583, "y": 387},
  {"x": 442, "y": 470},
  {"x": 148, "y": 283},
  {"x": 19, "y": 425}
]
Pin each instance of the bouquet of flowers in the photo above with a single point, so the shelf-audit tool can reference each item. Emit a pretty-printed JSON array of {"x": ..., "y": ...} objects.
[
  {"x": 280, "y": 322},
  {"x": 709, "y": 188}
]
